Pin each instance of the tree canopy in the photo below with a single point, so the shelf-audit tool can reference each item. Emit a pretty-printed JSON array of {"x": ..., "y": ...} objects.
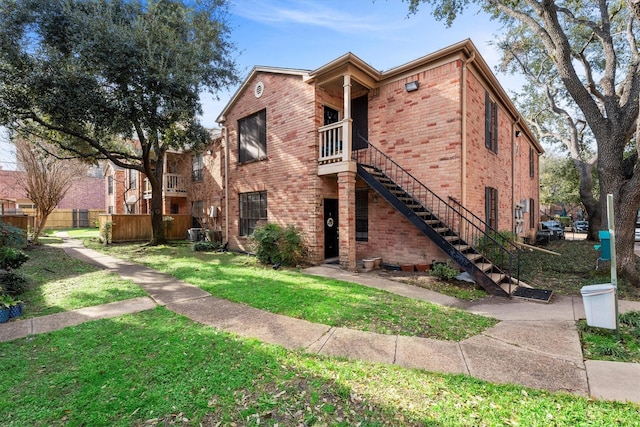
[{"x": 114, "y": 79}]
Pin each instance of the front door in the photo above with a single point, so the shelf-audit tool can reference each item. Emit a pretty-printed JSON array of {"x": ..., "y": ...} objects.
[{"x": 331, "y": 249}]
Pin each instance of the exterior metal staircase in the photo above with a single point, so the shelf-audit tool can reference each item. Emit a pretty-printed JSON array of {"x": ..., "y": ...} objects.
[{"x": 469, "y": 241}]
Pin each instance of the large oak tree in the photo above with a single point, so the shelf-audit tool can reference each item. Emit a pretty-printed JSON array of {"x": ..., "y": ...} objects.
[
  {"x": 593, "y": 47},
  {"x": 114, "y": 79}
]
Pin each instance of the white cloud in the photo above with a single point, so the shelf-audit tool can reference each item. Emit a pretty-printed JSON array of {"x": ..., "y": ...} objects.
[{"x": 309, "y": 13}]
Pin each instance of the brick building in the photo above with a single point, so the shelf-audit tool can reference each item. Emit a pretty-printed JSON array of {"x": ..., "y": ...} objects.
[
  {"x": 425, "y": 161},
  {"x": 410, "y": 164}
]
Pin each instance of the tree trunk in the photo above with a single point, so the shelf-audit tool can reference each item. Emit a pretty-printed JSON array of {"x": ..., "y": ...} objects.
[
  {"x": 626, "y": 198},
  {"x": 40, "y": 222},
  {"x": 585, "y": 190},
  {"x": 157, "y": 224}
]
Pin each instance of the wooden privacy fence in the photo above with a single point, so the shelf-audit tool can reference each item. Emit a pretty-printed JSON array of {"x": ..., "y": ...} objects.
[
  {"x": 23, "y": 222},
  {"x": 70, "y": 218},
  {"x": 131, "y": 228}
]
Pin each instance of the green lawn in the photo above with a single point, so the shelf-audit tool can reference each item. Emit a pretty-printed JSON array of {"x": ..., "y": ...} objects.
[
  {"x": 61, "y": 283},
  {"x": 239, "y": 278},
  {"x": 157, "y": 368}
]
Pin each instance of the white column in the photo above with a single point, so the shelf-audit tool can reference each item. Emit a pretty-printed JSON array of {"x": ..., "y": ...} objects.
[{"x": 347, "y": 121}]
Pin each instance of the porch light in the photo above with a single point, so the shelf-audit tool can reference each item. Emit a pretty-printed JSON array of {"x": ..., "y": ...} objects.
[
  {"x": 411, "y": 86},
  {"x": 518, "y": 133}
]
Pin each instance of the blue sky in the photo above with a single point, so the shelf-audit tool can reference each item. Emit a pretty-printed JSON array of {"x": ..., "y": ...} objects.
[{"x": 307, "y": 34}]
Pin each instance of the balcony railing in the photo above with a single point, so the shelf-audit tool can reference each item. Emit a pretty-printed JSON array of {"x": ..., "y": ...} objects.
[
  {"x": 172, "y": 185},
  {"x": 332, "y": 143}
]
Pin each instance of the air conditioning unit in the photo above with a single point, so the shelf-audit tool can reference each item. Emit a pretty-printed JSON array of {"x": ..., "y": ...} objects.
[
  {"x": 525, "y": 205},
  {"x": 195, "y": 234},
  {"x": 213, "y": 212}
]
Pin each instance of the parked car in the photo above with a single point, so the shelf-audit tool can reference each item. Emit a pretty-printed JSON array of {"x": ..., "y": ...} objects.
[
  {"x": 580, "y": 226},
  {"x": 548, "y": 232},
  {"x": 555, "y": 226}
]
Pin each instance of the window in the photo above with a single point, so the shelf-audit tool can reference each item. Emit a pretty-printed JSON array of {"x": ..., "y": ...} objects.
[
  {"x": 491, "y": 124},
  {"x": 531, "y": 163},
  {"x": 131, "y": 208},
  {"x": 253, "y": 208},
  {"x": 362, "y": 215},
  {"x": 196, "y": 167},
  {"x": 110, "y": 209},
  {"x": 175, "y": 209},
  {"x": 252, "y": 137},
  {"x": 110, "y": 185},
  {"x": 133, "y": 175},
  {"x": 532, "y": 214},
  {"x": 491, "y": 207}
]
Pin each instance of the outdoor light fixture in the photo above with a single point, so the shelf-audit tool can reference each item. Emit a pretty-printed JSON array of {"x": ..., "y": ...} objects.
[
  {"x": 411, "y": 86},
  {"x": 518, "y": 133}
]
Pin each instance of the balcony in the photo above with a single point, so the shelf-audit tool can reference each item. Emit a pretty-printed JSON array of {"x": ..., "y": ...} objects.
[
  {"x": 334, "y": 152},
  {"x": 173, "y": 185}
]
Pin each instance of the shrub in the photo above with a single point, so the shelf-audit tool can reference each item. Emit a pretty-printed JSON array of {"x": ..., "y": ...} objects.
[
  {"x": 206, "y": 246},
  {"x": 277, "y": 245},
  {"x": 443, "y": 271},
  {"x": 11, "y": 236},
  {"x": 10, "y": 258},
  {"x": 13, "y": 283},
  {"x": 106, "y": 233}
]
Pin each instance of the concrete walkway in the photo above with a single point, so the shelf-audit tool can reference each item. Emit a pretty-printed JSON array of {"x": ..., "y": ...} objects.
[{"x": 534, "y": 345}]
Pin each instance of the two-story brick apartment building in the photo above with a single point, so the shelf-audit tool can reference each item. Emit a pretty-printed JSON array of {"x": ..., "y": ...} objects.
[{"x": 418, "y": 163}]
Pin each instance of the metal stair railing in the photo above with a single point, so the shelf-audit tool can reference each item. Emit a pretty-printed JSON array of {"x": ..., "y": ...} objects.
[{"x": 467, "y": 226}]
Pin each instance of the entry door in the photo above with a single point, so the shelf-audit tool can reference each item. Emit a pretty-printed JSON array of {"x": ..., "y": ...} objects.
[
  {"x": 360, "y": 116},
  {"x": 331, "y": 249}
]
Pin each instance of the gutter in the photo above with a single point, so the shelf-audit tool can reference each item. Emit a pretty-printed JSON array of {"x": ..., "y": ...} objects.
[
  {"x": 463, "y": 101},
  {"x": 226, "y": 183}
]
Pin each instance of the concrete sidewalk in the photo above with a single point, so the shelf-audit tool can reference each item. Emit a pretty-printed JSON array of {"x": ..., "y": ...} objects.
[{"x": 535, "y": 345}]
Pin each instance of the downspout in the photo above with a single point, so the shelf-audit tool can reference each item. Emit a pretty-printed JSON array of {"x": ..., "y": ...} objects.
[
  {"x": 515, "y": 150},
  {"x": 463, "y": 96},
  {"x": 226, "y": 183}
]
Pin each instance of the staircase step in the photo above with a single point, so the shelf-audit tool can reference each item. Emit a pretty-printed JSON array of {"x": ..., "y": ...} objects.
[
  {"x": 485, "y": 267},
  {"x": 462, "y": 248},
  {"x": 451, "y": 238},
  {"x": 473, "y": 256},
  {"x": 498, "y": 277},
  {"x": 441, "y": 230}
]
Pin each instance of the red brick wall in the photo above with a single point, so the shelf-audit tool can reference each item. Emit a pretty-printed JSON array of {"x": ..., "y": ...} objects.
[
  {"x": 421, "y": 130},
  {"x": 289, "y": 174},
  {"x": 507, "y": 170}
]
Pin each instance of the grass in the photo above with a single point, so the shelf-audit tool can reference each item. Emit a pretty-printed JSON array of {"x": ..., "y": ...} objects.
[
  {"x": 568, "y": 273},
  {"x": 61, "y": 283},
  {"x": 240, "y": 279},
  {"x": 604, "y": 344},
  {"x": 158, "y": 368}
]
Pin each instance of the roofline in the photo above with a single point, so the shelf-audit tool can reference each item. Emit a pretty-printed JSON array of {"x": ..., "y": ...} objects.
[
  {"x": 465, "y": 48},
  {"x": 255, "y": 70}
]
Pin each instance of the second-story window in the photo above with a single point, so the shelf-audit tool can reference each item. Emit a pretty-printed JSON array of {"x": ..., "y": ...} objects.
[
  {"x": 197, "y": 167},
  {"x": 252, "y": 137},
  {"x": 532, "y": 165},
  {"x": 491, "y": 123},
  {"x": 110, "y": 185}
]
